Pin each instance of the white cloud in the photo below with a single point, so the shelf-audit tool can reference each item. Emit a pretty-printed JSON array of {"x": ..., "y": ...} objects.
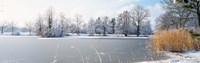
[{"x": 27, "y": 10}]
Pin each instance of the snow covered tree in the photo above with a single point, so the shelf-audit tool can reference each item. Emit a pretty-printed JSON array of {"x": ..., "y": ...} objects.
[
  {"x": 146, "y": 28},
  {"x": 72, "y": 28},
  {"x": 91, "y": 27},
  {"x": 139, "y": 14},
  {"x": 67, "y": 24},
  {"x": 112, "y": 24},
  {"x": 29, "y": 26},
  {"x": 164, "y": 21},
  {"x": 49, "y": 20},
  {"x": 78, "y": 19},
  {"x": 101, "y": 25},
  {"x": 105, "y": 26},
  {"x": 193, "y": 6},
  {"x": 12, "y": 27},
  {"x": 124, "y": 23},
  {"x": 84, "y": 28},
  {"x": 193, "y": 23},
  {"x": 63, "y": 24},
  {"x": 49, "y": 26},
  {"x": 180, "y": 16},
  {"x": 98, "y": 26},
  {"x": 39, "y": 26},
  {"x": 56, "y": 28}
]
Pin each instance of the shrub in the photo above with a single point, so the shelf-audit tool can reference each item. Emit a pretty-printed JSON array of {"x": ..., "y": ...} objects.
[{"x": 177, "y": 40}]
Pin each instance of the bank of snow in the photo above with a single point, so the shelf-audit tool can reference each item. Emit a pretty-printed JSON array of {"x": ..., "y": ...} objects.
[{"x": 188, "y": 57}]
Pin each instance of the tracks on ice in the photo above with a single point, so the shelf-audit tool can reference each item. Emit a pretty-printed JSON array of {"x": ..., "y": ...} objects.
[{"x": 55, "y": 57}]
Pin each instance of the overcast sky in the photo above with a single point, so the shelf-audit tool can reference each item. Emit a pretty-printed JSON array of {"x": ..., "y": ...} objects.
[{"x": 21, "y": 11}]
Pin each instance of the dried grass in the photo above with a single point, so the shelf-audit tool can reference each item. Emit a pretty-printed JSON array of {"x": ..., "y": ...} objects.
[{"x": 174, "y": 40}]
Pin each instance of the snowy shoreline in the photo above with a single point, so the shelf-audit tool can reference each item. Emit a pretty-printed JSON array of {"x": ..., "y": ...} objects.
[
  {"x": 83, "y": 36},
  {"x": 187, "y": 57}
]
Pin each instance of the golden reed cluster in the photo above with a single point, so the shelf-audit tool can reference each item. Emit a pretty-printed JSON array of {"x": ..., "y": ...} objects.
[{"x": 176, "y": 40}]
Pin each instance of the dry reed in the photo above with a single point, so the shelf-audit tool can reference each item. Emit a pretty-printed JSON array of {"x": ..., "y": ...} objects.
[{"x": 177, "y": 40}]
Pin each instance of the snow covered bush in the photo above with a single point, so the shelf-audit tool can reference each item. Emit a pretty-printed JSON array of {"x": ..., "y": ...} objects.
[
  {"x": 16, "y": 33},
  {"x": 177, "y": 40}
]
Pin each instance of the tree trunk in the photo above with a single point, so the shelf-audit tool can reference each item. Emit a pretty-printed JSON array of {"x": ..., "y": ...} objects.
[
  {"x": 40, "y": 32},
  {"x": 198, "y": 16},
  {"x": 113, "y": 30},
  {"x": 138, "y": 30},
  {"x": 104, "y": 31},
  {"x": 198, "y": 13},
  {"x": 12, "y": 30},
  {"x": 78, "y": 31},
  {"x": 30, "y": 32},
  {"x": 62, "y": 32}
]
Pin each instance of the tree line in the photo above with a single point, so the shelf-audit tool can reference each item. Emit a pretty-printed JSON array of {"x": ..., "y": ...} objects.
[{"x": 133, "y": 21}]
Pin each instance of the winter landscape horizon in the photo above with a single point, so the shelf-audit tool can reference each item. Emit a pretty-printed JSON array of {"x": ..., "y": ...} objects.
[{"x": 99, "y": 31}]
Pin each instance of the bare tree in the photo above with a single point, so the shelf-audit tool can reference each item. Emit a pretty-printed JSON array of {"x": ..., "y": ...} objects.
[
  {"x": 78, "y": 19},
  {"x": 139, "y": 14},
  {"x": 29, "y": 26}
]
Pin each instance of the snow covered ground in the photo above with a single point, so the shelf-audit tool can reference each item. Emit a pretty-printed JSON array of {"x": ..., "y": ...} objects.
[
  {"x": 71, "y": 36},
  {"x": 188, "y": 57},
  {"x": 108, "y": 36},
  {"x": 17, "y": 34}
]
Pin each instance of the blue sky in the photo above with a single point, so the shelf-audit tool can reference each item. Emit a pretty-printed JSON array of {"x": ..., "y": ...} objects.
[
  {"x": 21, "y": 11},
  {"x": 148, "y": 2}
]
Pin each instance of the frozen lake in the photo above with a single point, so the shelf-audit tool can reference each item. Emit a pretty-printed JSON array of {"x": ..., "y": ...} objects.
[{"x": 75, "y": 50}]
